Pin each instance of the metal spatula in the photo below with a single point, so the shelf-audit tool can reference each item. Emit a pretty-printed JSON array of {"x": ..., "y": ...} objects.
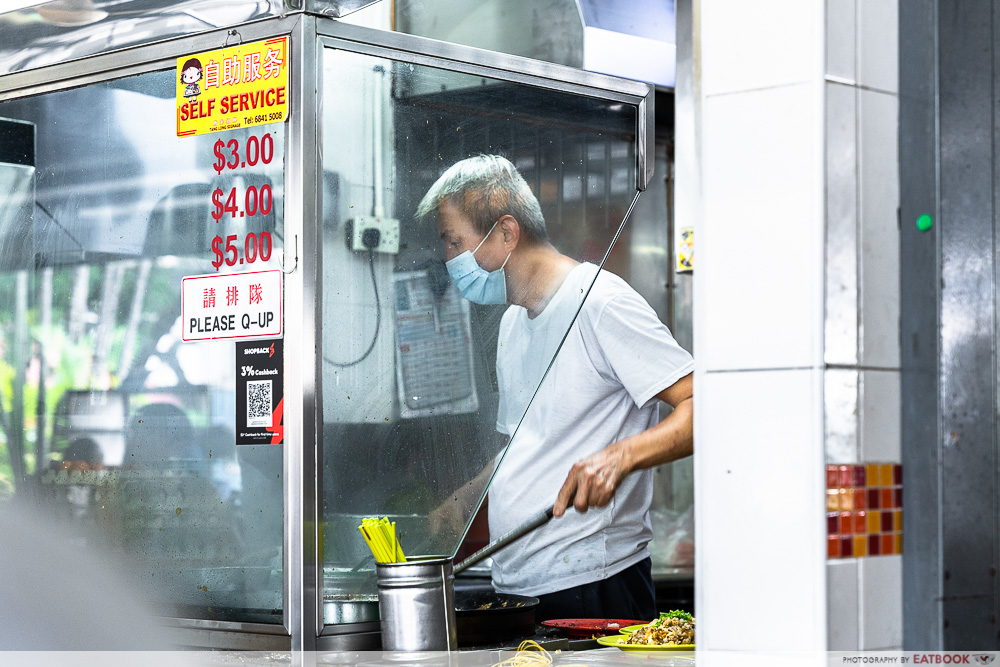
[{"x": 500, "y": 543}]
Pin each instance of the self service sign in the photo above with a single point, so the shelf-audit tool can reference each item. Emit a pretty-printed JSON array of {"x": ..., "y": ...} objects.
[
  {"x": 237, "y": 86},
  {"x": 231, "y": 305}
]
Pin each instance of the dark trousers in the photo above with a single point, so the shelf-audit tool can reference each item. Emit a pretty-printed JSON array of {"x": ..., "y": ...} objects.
[{"x": 627, "y": 595}]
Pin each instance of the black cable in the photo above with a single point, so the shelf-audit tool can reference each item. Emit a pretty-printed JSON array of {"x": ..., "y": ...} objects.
[{"x": 378, "y": 321}]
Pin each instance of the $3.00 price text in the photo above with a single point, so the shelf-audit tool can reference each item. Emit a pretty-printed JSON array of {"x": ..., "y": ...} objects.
[{"x": 227, "y": 154}]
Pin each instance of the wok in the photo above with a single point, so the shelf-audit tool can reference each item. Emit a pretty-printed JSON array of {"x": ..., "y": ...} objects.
[{"x": 485, "y": 617}]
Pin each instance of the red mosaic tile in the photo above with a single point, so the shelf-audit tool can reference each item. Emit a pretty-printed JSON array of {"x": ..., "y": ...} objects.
[
  {"x": 897, "y": 496},
  {"x": 832, "y": 477},
  {"x": 833, "y": 547},
  {"x": 846, "y": 523},
  {"x": 860, "y": 499},
  {"x": 897, "y": 474},
  {"x": 873, "y": 545},
  {"x": 873, "y": 499},
  {"x": 846, "y": 546},
  {"x": 887, "y": 545},
  {"x": 885, "y": 498},
  {"x": 886, "y": 522},
  {"x": 846, "y": 474},
  {"x": 832, "y": 523},
  {"x": 859, "y": 476},
  {"x": 860, "y": 523}
]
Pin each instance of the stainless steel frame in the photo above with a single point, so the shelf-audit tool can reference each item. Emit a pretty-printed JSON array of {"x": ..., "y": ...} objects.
[
  {"x": 302, "y": 592},
  {"x": 469, "y": 60},
  {"x": 302, "y": 626}
]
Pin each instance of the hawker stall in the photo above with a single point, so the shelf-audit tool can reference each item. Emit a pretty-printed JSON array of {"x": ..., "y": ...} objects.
[{"x": 228, "y": 339}]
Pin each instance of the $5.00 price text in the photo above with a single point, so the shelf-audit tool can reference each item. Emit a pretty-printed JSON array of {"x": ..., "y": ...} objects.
[{"x": 254, "y": 247}]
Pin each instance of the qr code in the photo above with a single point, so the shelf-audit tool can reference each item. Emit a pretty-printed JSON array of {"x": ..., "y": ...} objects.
[{"x": 259, "y": 405}]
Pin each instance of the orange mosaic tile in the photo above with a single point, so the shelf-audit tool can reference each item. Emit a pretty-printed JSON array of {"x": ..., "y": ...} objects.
[
  {"x": 863, "y": 510},
  {"x": 860, "y": 546},
  {"x": 885, "y": 474},
  {"x": 874, "y": 522},
  {"x": 832, "y": 500}
]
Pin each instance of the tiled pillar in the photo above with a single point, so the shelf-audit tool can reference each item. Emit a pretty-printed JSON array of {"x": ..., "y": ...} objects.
[
  {"x": 862, "y": 397},
  {"x": 792, "y": 110},
  {"x": 759, "y": 285}
]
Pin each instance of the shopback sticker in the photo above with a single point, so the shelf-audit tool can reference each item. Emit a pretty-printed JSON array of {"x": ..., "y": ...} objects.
[
  {"x": 260, "y": 403},
  {"x": 238, "y": 86}
]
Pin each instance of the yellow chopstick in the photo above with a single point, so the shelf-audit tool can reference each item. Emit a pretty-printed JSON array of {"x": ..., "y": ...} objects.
[{"x": 380, "y": 535}]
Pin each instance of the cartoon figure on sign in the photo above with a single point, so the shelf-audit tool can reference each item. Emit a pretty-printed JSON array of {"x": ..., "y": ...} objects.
[{"x": 190, "y": 76}]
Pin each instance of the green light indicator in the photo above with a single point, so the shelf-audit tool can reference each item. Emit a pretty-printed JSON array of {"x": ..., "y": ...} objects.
[{"x": 925, "y": 222}]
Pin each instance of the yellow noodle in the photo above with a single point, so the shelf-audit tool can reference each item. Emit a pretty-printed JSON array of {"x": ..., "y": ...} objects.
[{"x": 528, "y": 653}]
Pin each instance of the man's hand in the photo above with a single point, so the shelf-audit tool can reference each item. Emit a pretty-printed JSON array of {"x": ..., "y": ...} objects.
[{"x": 592, "y": 482}]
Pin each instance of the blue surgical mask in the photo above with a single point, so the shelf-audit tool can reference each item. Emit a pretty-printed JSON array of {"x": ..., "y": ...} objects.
[{"x": 476, "y": 283}]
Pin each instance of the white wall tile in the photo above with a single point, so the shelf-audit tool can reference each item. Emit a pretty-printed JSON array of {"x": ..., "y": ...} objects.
[
  {"x": 841, "y": 38},
  {"x": 880, "y": 414},
  {"x": 760, "y": 445},
  {"x": 881, "y": 585},
  {"x": 841, "y": 323},
  {"x": 878, "y": 127},
  {"x": 763, "y": 229},
  {"x": 752, "y": 45},
  {"x": 840, "y": 399},
  {"x": 878, "y": 44},
  {"x": 842, "y": 605}
]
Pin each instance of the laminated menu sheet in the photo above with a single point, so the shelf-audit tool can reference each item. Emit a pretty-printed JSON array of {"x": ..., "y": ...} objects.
[{"x": 434, "y": 365}]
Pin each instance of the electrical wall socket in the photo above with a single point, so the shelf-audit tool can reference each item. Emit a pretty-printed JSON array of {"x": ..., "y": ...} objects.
[{"x": 388, "y": 234}]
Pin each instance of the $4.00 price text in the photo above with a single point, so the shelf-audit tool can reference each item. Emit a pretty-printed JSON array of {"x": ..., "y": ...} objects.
[{"x": 255, "y": 200}]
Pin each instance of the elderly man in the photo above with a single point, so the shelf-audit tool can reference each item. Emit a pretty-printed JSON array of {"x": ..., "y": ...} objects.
[{"x": 593, "y": 421}]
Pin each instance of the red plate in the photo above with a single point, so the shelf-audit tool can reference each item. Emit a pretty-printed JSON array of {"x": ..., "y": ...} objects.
[{"x": 585, "y": 628}]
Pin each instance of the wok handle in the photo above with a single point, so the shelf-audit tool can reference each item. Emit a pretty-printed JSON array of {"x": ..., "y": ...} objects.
[{"x": 497, "y": 545}]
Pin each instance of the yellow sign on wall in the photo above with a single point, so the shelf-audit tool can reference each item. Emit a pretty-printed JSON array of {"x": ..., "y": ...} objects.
[
  {"x": 685, "y": 250},
  {"x": 238, "y": 86}
]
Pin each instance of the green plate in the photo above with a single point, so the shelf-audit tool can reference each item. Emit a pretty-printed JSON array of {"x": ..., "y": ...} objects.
[
  {"x": 618, "y": 641},
  {"x": 629, "y": 629}
]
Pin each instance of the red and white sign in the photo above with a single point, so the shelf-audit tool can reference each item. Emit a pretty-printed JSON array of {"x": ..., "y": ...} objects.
[{"x": 232, "y": 305}]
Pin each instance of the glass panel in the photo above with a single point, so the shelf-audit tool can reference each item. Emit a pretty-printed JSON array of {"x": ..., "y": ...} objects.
[
  {"x": 410, "y": 387},
  {"x": 113, "y": 426}
]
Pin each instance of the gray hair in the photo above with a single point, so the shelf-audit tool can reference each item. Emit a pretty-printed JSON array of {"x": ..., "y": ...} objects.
[{"x": 486, "y": 188}]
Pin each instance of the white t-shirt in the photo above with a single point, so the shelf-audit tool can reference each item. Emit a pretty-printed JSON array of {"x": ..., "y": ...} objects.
[{"x": 602, "y": 387}]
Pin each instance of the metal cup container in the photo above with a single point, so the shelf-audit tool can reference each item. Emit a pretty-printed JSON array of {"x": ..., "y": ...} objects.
[{"x": 416, "y": 602}]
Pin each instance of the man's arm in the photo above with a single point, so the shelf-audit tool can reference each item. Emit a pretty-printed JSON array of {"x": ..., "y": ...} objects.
[
  {"x": 455, "y": 510},
  {"x": 592, "y": 481}
]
